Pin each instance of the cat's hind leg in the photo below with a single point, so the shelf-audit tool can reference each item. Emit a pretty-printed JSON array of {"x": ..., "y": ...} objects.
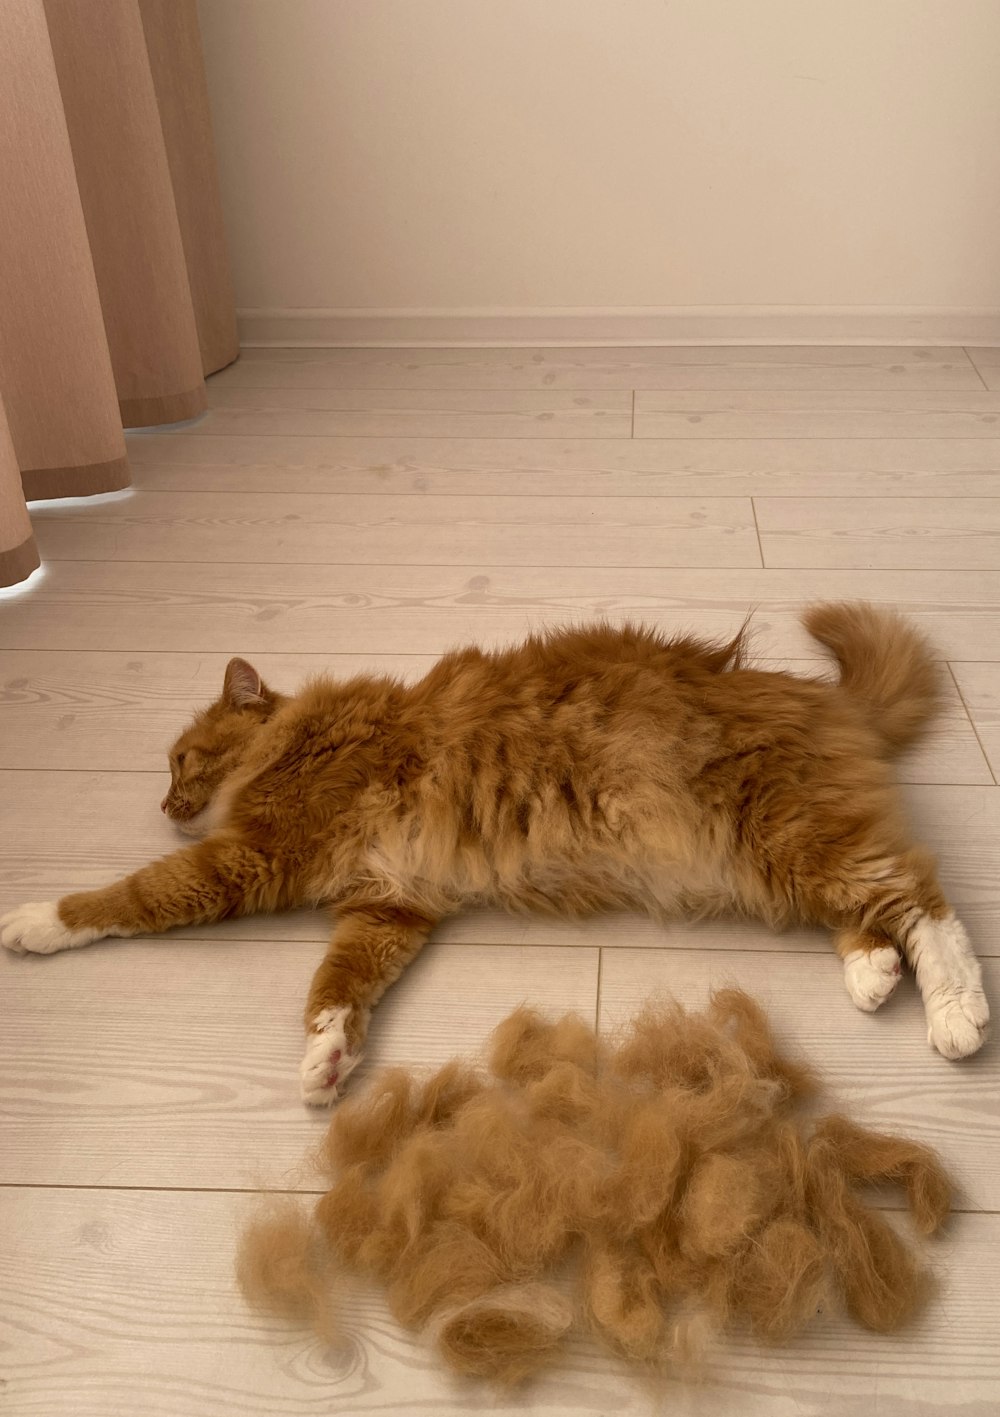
[
  {"x": 369, "y": 950},
  {"x": 951, "y": 983},
  {"x": 896, "y": 901}
]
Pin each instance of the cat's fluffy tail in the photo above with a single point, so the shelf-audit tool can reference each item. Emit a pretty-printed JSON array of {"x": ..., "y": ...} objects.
[{"x": 885, "y": 664}]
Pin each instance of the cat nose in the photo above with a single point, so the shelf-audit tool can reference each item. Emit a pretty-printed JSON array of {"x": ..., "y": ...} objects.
[{"x": 163, "y": 804}]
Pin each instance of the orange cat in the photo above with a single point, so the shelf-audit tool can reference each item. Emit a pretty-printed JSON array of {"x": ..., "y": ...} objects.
[{"x": 584, "y": 770}]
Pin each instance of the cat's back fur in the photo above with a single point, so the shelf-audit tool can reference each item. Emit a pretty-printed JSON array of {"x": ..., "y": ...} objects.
[{"x": 584, "y": 769}]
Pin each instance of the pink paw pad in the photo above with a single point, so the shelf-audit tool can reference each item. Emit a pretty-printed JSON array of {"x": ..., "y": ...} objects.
[{"x": 327, "y": 1062}]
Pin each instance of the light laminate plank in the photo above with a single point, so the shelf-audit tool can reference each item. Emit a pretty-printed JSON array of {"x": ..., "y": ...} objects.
[
  {"x": 512, "y": 413},
  {"x": 820, "y": 414},
  {"x": 66, "y": 831},
  {"x": 956, "y": 533},
  {"x": 236, "y": 609},
  {"x": 979, "y": 685},
  {"x": 120, "y": 1302},
  {"x": 678, "y": 367},
  {"x": 574, "y": 467},
  {"x": 98, "y": 710},
  {"x": 878, "y": 1066},
  {"x": 175, "y": 1064},
  {"x": 987, "y": 363},
  {"x": 419, "y": 477},
  {"x": 258, "y": 529}
]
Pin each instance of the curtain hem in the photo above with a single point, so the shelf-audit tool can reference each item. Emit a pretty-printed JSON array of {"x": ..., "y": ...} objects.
[
  {"x": 18, "y": 563},
  {"x": 223, "y": 361},
  {"x": 82, "y": 480},
  {"x": 163, "y": 408}
]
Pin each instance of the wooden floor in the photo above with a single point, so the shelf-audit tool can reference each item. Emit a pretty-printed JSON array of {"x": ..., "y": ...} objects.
[{"x": 359, "y": 509}]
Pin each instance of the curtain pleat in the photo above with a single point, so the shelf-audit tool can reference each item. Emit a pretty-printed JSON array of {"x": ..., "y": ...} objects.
[
  {"x": 18, "y": 552},
  {"x": 117, "y": 141},
  {"x": 173, "y": 43},
  {"x": 55, "y": 374},
  {"x": 115, "y": 293}
]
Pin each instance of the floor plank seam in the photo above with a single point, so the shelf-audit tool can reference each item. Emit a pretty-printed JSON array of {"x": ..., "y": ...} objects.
[
  {"x": 606, "y": 437},
  {"x": 573, "y": 946},
  {"x": 968, "y": 714},
  {"x": 478, "y": 566},
  {"x": 679, "y": 496},
  {"x": 899, "y": 387},
  {"x": 756, "y": 527},
  {"x": 63, "y": 514},
  {"x": 903, "y": 1211},
  {"x": 979, "y": 373}
]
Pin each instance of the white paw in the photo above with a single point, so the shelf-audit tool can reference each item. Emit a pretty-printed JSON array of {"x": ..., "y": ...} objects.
[
  {"x": 327, "y": 1061},
  {"x": 958, "y": 1019},
  {"x": 951, "y": 982},
  {"x": 37, "y": 929},
  {"x": 871, "y": 976}
]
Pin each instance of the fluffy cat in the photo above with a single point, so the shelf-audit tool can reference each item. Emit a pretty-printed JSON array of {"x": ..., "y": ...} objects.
[{"x": 587, "y": 769}]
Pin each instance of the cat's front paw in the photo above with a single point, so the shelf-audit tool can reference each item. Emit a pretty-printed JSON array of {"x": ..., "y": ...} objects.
[
  {"x": 328, "y": 1060},
  {"x": 37, "y": 929}
]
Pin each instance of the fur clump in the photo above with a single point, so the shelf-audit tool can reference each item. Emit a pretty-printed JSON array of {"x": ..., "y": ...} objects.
[
  {"x": 658, "y": 1192},
  {"x": 507, "y": 1334},
  {"x": 284, "y": 1268}
]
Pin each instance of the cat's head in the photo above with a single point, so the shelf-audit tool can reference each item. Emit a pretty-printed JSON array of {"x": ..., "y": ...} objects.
[{"x": 215, "y": 745}]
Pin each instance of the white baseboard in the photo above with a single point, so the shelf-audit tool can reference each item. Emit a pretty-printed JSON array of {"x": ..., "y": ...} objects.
[{"x": 646, "y": 325}]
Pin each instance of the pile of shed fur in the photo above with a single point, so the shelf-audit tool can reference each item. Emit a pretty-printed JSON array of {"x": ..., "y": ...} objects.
[{"x": 658, "y": 1192}]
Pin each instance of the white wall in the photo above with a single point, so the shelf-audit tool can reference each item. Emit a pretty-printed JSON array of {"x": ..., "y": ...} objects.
[{"x": 512, "y": 154}]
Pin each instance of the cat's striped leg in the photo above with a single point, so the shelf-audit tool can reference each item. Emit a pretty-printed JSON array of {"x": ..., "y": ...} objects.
[
  {"x": 214, "y": 879},
  {"x": 369, "y": 950}
]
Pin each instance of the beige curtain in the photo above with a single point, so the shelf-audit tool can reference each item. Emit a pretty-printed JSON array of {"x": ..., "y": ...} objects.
[{"x": 115, "y": 295}]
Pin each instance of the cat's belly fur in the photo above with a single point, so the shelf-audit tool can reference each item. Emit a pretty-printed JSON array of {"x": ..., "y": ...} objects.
[{"x": 444, "y": 876}]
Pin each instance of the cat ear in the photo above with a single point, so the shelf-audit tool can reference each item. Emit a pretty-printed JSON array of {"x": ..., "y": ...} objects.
[{"x": 243, "y": 686}]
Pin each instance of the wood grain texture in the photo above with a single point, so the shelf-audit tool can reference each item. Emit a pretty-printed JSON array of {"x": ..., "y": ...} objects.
[
  {"x": 987, "y": 364},
  {"x": 916, "y": 532},
  {"x": 337, "y": 528},
  {"x": 152, "y": 1323},
  {"x": 512, "y": 413},
  {"x": 169, "y": 1068},
  {"x": 643, "y": 367},
  {"x": 101, "y": 710},
  {"x": 613, "y": 467},
  {"x": 239, "y": 609},
  {"x": 820, "y": 414}
]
